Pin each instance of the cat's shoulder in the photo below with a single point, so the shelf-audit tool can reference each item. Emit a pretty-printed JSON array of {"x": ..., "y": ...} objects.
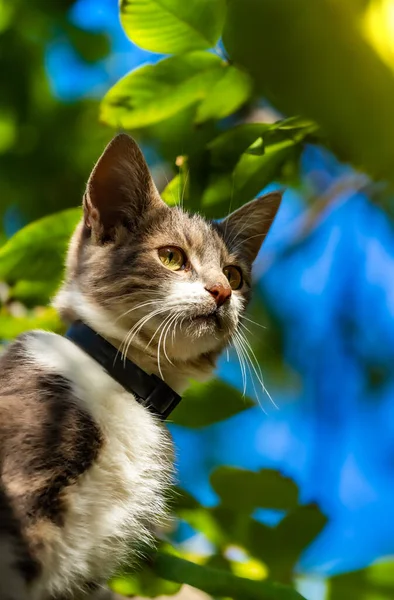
[{"x": 48, "y": 355}]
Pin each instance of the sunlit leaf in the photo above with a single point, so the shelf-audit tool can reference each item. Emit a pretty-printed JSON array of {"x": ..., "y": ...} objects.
[
  {"x": 47, "y": 319},
  {"x": 251, "y": 174},
  {"x": 378, "y": 27},
  {"x": 173, "y": 26},
  {"x": 203, "y": 520},
  {"x": 143, "y": 583},
  {"x": 172, "y": 192},
  {"x": 153, "y": 93},
  {"x": 6, "y": 14},
  {"x": 246, "y": 490},
  {"x": 220, "y": 582},
  {"x": 207, "y": 403},
  {"x": 7, "y": 128},
  {"x": 37, "y": 251},
  {"x": 227, "y": 147},
  {"x": 33, "y": 293},
  {"x": 288, "y": 49},
  {"x": 230, "y": 92}
]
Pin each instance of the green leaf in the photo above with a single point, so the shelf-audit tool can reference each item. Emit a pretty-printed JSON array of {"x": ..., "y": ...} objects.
[
  {"x": 33, "y": 293},
  {"x": 153, "y": 93},
  {"x": 90, "y": 45},
  {"x": 11, "y": 327},
  {"x": 178, "y": 135},
  {"x": 183, "y": 500},
  {"x": 172, "y": 192},
  {"x": 251, "y": 174},
  {"x": 281, "y": 547},
  {"x": 230, "y": 92},
  {"x": 143, "y": 583},
  {"x": 36, "y": 252},
  {"x": 227, "y": 147},
  {"x": 220, "y": 583},
  {"x": 207, "y": 403},
  {"x": 203, "y": 520},
  {"x": 173, "y": 26},
  {"x": 288, "y": 49},
  {"x": 374, "y": 583},
  {"x": 246, "y": 490}
]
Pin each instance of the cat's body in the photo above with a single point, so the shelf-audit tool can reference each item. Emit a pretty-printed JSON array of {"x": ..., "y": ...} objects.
[
  {"x": 86, "y": 468},
  {"x": 88, "y": 465}
]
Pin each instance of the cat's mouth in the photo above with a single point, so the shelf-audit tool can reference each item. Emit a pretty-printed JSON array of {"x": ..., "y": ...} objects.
[
  {"x": 210, "y": 317},
  {"x": 213, "y": 319}
]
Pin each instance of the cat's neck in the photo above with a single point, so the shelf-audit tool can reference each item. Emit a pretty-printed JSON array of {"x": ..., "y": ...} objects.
[{"x": 176, "y": 373}]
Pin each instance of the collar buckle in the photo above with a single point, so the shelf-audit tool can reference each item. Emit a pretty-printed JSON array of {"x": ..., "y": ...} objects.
[{"x": 162, "y": 400}]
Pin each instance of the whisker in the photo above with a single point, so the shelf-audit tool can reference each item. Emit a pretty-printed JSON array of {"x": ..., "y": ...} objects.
[
  {"x": 248, "y": 349},
  {"x": 173, "y": 322},
  {"x": 127, "y": 312},
  {"x": 241, "y": 365},
  {"x": 253, "y": 322},
  {"x": 249, "y": 364}
]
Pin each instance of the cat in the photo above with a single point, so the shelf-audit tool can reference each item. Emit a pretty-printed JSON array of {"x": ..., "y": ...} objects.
[{"x": 86, "y": 467}]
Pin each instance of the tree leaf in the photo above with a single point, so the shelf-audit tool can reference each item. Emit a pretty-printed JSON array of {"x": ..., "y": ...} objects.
[
  {"x": 36, "y": 252},
  {"x": 173, "y": 26},
  {"x": 11, "y": 327},
  {"x": 182, "y": 500},
  {"x": 203, "y": 520},
  {"x": 219, "y": 582},
  {"x": 288, "y": 49},
  {"x": 230, "y": 92},
  {"x": 143, "y": 583},
  {"x": 172, "y": 192},
  {"x": 34, "y": 293},
  {"x": 251, "y": 174},
  {"x": 207, "y": 403},
  {"x": 282, "y": 547},
  {"x": 245, "y": 491},
  {"x": 153, "y": 93},
  {"x": 226, "y": 148},
  {"x": 374, "y": 583}
]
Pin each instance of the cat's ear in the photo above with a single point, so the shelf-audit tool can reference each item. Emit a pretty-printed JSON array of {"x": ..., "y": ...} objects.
[
  {"x": 119, "y": 190},
  {"x": 246, "y": 228}
]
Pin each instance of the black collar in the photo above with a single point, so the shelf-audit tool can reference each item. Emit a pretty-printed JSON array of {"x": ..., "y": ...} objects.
[{"x": 149, "y": 390}]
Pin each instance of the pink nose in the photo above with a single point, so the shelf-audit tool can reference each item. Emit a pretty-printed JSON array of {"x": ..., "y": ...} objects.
[{"x": 220, "y": 292}]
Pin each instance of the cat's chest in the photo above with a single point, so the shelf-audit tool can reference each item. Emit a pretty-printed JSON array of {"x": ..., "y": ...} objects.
[{"x": 119, "y": 499}]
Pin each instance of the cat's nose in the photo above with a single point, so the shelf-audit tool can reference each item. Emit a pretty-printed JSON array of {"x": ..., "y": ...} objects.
[{"x": 220, "y": 292}]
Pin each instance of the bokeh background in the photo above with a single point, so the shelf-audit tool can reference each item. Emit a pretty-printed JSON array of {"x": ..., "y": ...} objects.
[{"x": 324, "y": 282}]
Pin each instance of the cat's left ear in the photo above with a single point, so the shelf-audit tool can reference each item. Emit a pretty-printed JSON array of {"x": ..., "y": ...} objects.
[
  {"x": 120, "y": 189},
  {"x": 246, "y": 228}
]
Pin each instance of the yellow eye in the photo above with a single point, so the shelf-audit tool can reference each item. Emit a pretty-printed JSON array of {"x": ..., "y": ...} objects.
[
  {"x": 173, "y": 258},
  {"x": 234, "y": 276}
]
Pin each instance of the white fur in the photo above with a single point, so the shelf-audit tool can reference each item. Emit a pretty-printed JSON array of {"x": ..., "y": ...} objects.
[
  {"x": 112, "y": 504},
  {"x": 90, "y": 312}
]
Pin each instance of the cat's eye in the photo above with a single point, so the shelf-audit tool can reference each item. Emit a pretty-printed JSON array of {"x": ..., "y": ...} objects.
[
  {"x": 234, "y": 276},
  {"x": 172, "y": 257}
]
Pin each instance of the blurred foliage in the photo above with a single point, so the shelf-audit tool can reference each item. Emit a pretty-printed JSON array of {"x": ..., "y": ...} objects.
[
  {"x": 329, "y": 65},
  {"x": 45, "y": 152}
]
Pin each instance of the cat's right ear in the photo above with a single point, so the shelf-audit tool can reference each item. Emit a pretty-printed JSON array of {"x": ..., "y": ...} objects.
[{"x": 120, "y": 189}]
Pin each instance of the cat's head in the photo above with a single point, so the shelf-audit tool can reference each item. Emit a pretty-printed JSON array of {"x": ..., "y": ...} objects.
[{"x": 157, "y": 279}]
